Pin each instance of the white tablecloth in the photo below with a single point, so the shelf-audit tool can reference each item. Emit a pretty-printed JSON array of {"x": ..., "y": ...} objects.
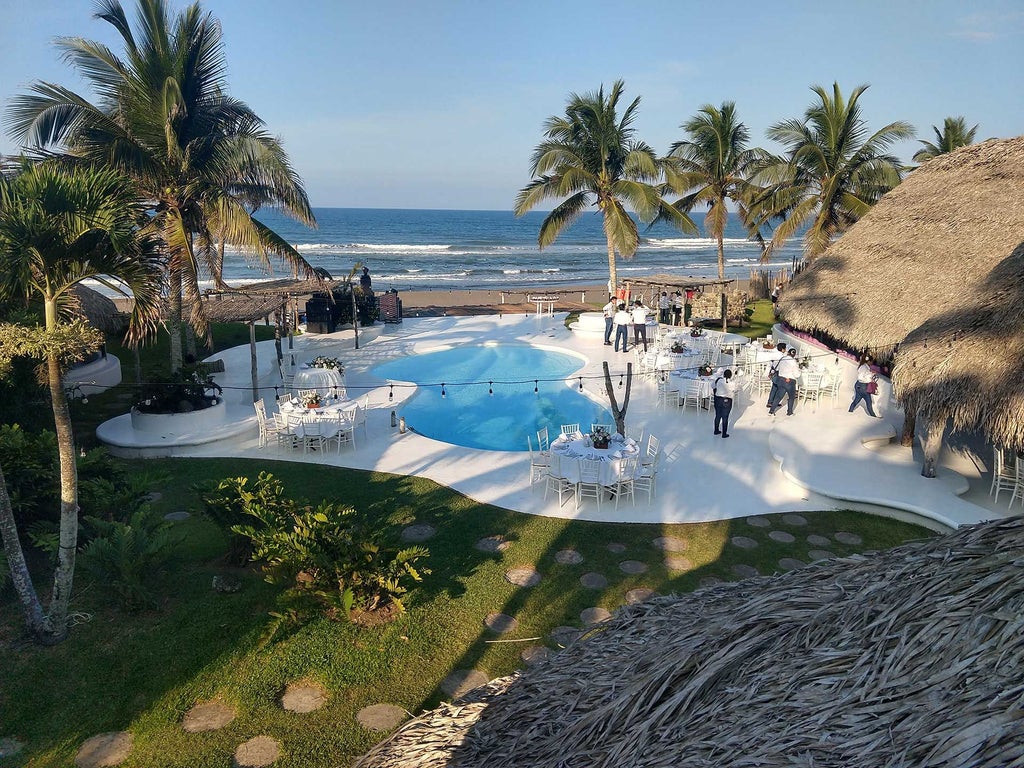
[
  {"x": 327, "y": 415},
  {"x": 567, "y": 455},
  {"x": 679, "y": 380},
  {"x": 326, "y": 381},
  {"x": 329, "y": 407}
]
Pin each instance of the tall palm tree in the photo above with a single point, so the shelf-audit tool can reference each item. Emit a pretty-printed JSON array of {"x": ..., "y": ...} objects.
[
  {"x": 163, "y": 117},
  {"x": 58, "y": 227},
  {"x": 954, "y": 134},
  {"x": 712, "y": 168},
  {"x": 833, "y": 172},
  {"x": 590, "y": 157}
]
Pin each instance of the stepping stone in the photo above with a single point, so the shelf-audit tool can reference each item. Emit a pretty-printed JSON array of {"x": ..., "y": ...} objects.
[
  {"x": 493, "y": 544},
  {"x": 671, "y": 544},
  {"x": 177, "y": 517},
  {"x": 743, "y": 542},
  {"x": 419, "y": 532},
  {"x": 791, "y": 563},
  {"x": 794, "y": 519},
  {"x": 783, "y": 537},
  {"x": 820, "y": 554},
  {"x": 639, "y": 594},
  {"x": 745, "y": 571},
  {"x": 10, "y": 747},
  {"x": 226, "y": 583},
  {"x": 818, "y": 541},
  {"x": 850, "y": 539},
  {"x": 616, "y": 549},
  {"x": 710, "y": 581},
  {"x": 759, "y": 522},
  {"x": 535, "y": 654},
  {"x": 207, "y": 717},
  {"x": 462, "y": 681},
  {"x": 594, "y": 615},
  {"x": 568, "y": 557},
  {"x": 303, "y": 698},
  {"x": 380, "y": 717},
  {"x": 501, "y": 623},
  {"x": 104, "y": 750},
  {"x": 525, "y": 576},
  {"x": 633, "y": 566},
  {"x": 565, "y": 635},
  {"x": 678, "y": 563},
  {"x": 593, "y": 581},
  {"x": 258, "y": 752},
  {"x": 153, "y": 496}
]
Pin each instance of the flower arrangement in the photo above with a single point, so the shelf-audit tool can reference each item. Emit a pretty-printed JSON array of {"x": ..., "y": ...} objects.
[
  {"x": 768, "y": 345},
  {"x": 678, "y": 348},
  {"x": 705, "y": 370},
  {"x": 805, "y": 362},
  {"x": 311, "y": 399},
  {"x": 600, "y": 437},
  {"x": 320, "y": 361},
  {"x": 697, "y": 333}
]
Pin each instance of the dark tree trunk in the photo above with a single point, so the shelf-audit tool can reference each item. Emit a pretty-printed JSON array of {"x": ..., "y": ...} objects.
[
  {"x": 619, "y": 414},
  {"x": 909, "y": 428},
  {"x": 64, "y": 574},
  {"x": 23, "y": 587}
]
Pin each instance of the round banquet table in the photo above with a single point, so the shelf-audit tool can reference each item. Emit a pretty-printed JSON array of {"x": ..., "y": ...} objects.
[
  {"x": 679, "y": 380},
  {"x": 326, "y": 381},
  {"x": 568, "y": 453}
]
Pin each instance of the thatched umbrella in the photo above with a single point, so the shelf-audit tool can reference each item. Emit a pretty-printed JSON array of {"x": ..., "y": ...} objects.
[
  {"x": 99, "y": 311},
  {"x": 933, "y": 250},
  {"x": 910, "y": 657}
]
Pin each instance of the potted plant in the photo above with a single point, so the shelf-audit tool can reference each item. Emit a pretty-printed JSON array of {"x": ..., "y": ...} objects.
[
  {"x": 331, "y": 363},
  {"x": 311, "y": 399},
  {"x": 600, "y": 437},
  {"x": 705, "y": 370},
  {"x": 678, "y": 348},
  {"x": 697, "y": 333}
]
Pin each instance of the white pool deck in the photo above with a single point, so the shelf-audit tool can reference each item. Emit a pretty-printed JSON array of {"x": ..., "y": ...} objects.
[{"x": 819, "y": 458}]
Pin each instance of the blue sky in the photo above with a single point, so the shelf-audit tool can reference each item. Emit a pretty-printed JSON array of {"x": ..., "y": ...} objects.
[{"x": 440, "y": 104}]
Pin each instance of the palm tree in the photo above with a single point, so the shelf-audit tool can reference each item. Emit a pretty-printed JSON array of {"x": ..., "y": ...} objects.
[
  {"x": 590, "y": 157},
  {"x": 954, "y": 134},
  {"x": 163, "y": 117},
  {"x": 58, "y": 227},
  {"x": 713, "y": 167},
  {"x": 833, "y": 173}
]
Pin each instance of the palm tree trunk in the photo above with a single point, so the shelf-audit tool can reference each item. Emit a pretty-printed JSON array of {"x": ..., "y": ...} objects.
[
  {"x": 65, "y": 572},
  {"x": 613, "y": 278},
  {"x": 20, "y": 577},
  {"x": 174, "y": 316},
  {"x": 721, "y": 276}
]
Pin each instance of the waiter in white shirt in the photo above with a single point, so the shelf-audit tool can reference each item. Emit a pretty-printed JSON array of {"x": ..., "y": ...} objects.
[
  {"x": 639, "y": 324},
  {"x": 788, "y": 371},
  {"x": 725, "y": 391},
  {"x": 622, "y": 322},
  {"x": 609, "y": 320}
]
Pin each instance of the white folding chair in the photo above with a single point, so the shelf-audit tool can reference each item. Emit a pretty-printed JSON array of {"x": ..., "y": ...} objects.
[
  {"x": 589, "y": 484},
  {"x": 667, "y": 396},
  {"x": 543, "y": 443},
  {"x": 609, "y": 428},
  {"x": 312, "y": 434},
  {"x": 1018, "y": 486},
  {"x": 811, "y": 384},
  {"x": 540, "y": 464},
  {"x": 571, "y": 430},
  {"x": 1004, "y": 473},
  {"x": 636, "y": 434},
  {"x": 646, "y": 478},
  {"x": 625, "y": 482},
  {"x": 554, "y": 481},
  {"x": 693, "y": 394},
  {"x": 651, "y": 454}
]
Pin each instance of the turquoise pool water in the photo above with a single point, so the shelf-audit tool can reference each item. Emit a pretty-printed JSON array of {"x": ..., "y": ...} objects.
[{"x": 470, "y": 416}]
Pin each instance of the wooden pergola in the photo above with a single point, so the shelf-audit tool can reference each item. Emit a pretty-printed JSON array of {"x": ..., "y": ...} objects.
[{"x": 682, "y": 283}]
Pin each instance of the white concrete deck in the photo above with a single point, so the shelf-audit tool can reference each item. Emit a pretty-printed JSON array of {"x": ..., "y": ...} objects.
[{"x": 819, "y": 458}]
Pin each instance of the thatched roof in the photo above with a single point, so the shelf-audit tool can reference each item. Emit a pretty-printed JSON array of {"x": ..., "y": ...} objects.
[
  {"x": 967, "y": 364},
  {"x": 910, "y": 657},
  {"x": 242, "y": 308},
  {"x": 925, "y": 249},
  {"x": 677, "y": 282},
  {"x": 99, "y": 311}
]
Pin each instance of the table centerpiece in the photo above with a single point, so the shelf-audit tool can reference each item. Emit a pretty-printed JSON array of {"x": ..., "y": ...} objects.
[
  {"x": 330, "y": 363},
  {"x": 311, "y": 400},
  {"x": 600, "y": 437},
  {"x": 705, "y": 370},
  {"x": 678, "y": 348}
]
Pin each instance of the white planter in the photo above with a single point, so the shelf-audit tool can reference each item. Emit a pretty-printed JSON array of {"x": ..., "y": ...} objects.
[{"x": 180, "y": 423}]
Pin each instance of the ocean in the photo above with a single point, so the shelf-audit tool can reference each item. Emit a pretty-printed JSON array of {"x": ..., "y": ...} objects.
[{"x": 440, "y": 249}]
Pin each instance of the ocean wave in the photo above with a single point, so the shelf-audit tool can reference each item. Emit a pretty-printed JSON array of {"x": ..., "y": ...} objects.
[
  {"x": 522, "y": 271},
  {"x": 695, "y": 243}
]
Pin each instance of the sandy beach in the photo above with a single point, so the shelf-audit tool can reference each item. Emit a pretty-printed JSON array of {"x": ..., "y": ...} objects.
[{"x": 454, "y": 301}]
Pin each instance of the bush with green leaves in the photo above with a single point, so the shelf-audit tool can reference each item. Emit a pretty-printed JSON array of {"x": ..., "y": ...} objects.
[
  {"x": 124, "y": 557},
  {"x": 325, "y": 554},
  {"x": 228, "y": 504},
  {"x": 30, "y": 469}
]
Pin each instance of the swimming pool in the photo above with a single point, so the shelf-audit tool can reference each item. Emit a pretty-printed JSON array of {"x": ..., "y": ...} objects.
[{"x": 469, "y": 415}]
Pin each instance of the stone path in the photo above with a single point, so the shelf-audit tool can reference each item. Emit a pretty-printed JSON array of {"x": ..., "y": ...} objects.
[
  {"x": 524, "y": 576},
  {"x": 462, "y": 681},
  {"x": 258, "y": 752},
  {"x": 303, "y": 698},
  {"x": 207, "y": 717},
  {"x": 380, "y": 717},
  {"x": 104, "y": 750}
]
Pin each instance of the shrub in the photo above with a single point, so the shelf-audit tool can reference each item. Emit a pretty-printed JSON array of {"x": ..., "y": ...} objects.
[
  {"x": 182, "y": 392},
  {"x": 228, "y": 503},
  {"x": 30, "y": 468},
  {"x": 325, "y": 555},
  {"x": 124, "y": 556}
]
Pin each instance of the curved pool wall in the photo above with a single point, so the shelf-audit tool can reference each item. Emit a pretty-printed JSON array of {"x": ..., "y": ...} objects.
[{"x": 489, "y": 402}]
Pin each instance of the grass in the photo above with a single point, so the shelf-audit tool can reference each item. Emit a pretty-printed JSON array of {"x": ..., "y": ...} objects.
[
  {"x": 761, "y": 320},
  {"x": 143, "y": 671}
]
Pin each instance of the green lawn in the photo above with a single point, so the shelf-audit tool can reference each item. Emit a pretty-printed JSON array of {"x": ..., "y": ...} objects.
[{"x": 142, "y": 672}]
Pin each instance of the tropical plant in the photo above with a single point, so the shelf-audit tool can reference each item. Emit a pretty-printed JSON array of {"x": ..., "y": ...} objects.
[
  {"x": 833, "y": 172},
  {"x": 954, "y": 134},
  {"x": 163, "y": 117},
  {"x": 58, "y": 227},
  {"x": 713, "y": 167},
  {"x": 227, "y": 504},
  {"x": 590, "y": 157},
  {"x": 124, "y": 556}
]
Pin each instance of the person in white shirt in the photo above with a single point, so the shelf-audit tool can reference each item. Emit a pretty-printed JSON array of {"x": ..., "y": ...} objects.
[
  {"x": 788, "y": 371},
  {"x": 639, "y": 324},
  {"x": 664, "y": 307},
  {"x": 622, "y": 322},
  {"x": 865, "y": 376},
  {"x": 725, "y": 391},
  {"x": 677, "y": 308},
  {"x": 774, "y": 356},
  {"x": 609, "y": 320}
]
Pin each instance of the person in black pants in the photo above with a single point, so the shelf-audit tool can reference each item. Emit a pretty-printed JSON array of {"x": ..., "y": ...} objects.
[{"x": 725, "y": 391}]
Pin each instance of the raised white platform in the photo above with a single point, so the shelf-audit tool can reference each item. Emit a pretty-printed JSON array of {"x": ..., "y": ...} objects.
[{"x": 95, "y": 376}]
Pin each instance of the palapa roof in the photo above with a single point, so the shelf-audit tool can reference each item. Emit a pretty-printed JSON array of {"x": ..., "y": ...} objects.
[
  {"x": 98, "y": 310},
  {"x": 241, "y": 308},
  {"x": 677, "y": 282},
  {"x": 909, "y": 657},
  {"x": 925, "y": 249}
]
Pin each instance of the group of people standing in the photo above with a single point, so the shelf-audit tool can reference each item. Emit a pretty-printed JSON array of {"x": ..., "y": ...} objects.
[{"x": 620, "y": 318}]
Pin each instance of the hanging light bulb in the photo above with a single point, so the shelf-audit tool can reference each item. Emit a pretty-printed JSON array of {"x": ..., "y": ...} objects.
[
  {"x": 277, "y": 395},
  {"x": 391, "y": 394},
  {"x": 620, "y": 379},
  {"x": 490, "y": 387},
  {"x": 443, "y": 393},
  {"x": 535, "y": 386},
  {"x": 581, "y": 383}
]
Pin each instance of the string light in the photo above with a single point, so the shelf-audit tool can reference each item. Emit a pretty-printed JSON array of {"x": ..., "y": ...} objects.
[
  {"x": 490, "y": 387},
  {"x": 581, "y": 383},
  {"x": 277, "y": 394},
  {"x": 443, "y": 393},
  {"x": 620, "y": 379},
  {"x": 535, "y": 386},
  {"x": 391, "y": 392}
]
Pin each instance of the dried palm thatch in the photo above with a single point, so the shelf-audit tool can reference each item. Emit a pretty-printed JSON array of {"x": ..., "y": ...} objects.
[
  {"x": 923, "y": 250},
  {"x": 910, "y": 657},
  {"x": 242, "y": 308},
  {"x": 967, "y": 365},
  {"x": 96, "y": 309}
]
